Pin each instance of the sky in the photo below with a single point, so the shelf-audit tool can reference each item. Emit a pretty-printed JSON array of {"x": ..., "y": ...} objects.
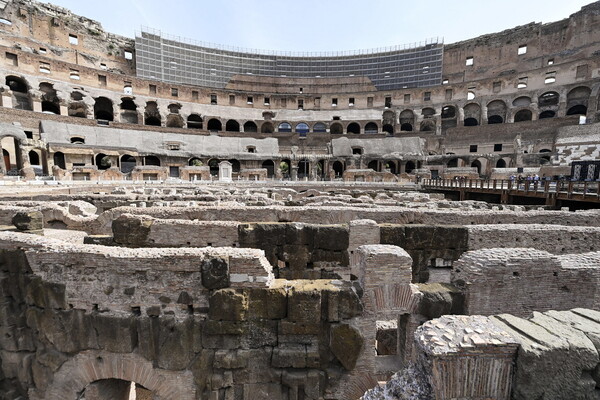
[{"x": 320, "y": 25}]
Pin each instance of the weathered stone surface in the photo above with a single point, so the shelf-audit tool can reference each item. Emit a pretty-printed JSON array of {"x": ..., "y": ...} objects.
[
  {"x": 304, "y": 305},
  {"x": 131, "y": 230},
  {"x": 439, "y": 299},
  {"x": 228, "y": 305},
  {"x": 346, "y": 344},
  {"x": 267, "y": 303},
  {"x": 28, "y": 220},
  {"x": 215, "y": 273},
  {"x": 102, "y": 240}
]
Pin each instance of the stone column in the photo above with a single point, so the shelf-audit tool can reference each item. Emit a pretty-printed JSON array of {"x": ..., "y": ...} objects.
[
  {"x": 7, "y": 99},
  {"x": 294, "y": 172},
  {"x": 26, "y": 169},
  {"x": 2, "y": 164},
  {"x": 37, "y": 105}
]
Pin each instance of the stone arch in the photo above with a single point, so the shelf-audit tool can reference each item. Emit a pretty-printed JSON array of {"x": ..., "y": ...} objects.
[
  {"x": 523, "y": 115},
  {"x": 269, "y": 165},
  {"x": 103, "y": 109},
  {"x": 232, "y": 126},
  {"x": 577, "y": 100},
  {"x": 472, "y": 114},
  {"x": 214, "y": 125},
  {"x": 151, "y": 114},
  {"x": 20, "y": 92},
  {"x": 501, "y": 163},
  {"x": 428, "y": 125},
  {"x": 547, "y": 114},
  {"x": 548, "y": 99},
  {"x": 59, "y": 160},
  {"x": 34, "y": 158},
  {"x": 128, "y": 111},
  {"x": 428, "y": 112},
  {"x": 175, "y": 121},
  {"x": 152, "y": 160},
  {"x": 336, "y": 129},
  {"x": 50, "y": 101},
  {"x": 477, "y": 164},
  {"x": 388, "y": 128},
  {"x": 353, "y": 127},
  {"x": 496, "y": 111},
  {"x": 284, "y": 127},
  {"x": 194, "y": 121},
  {"x": 250, "y": 126},
  {"x": 407, "y": 120},
  {"x": 302, "y": 128},
  {"x": 319, "y": 127},
  {"x": 267, "y": 127},
  {"x": 77, "y": 107},
  {"x": 522, "y": 101},
  {"x": 128, "y": 163},
  {"x": 338, "y": 168},
  {"x": 448, "y": 111},
  {"x": 371, "y": 127},
  {"x": 91, "y": 366}
]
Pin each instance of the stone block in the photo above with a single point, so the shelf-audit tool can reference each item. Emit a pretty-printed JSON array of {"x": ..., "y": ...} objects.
[
  {"x": 304, "y": 305},
  {"x": 267, "y": 303},
  {"x": 289, "y": 356},
  {"x": 28, "y": 220},
  {"x": 228, "y": 305},
  {"x": 346, "y": 344},
  {"x": 132, "y": 230},
  {"x": 215, "y": 273}
]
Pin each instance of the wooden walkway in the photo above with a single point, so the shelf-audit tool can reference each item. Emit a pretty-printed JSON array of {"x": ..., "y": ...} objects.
[{"x": 554, "y": 192}]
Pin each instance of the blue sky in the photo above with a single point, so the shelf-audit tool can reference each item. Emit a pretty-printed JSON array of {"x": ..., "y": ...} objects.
[{"x": 320, "y": 25}]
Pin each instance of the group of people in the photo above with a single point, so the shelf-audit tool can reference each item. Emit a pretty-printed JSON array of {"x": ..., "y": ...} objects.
[{"x": 521, "y": 178}]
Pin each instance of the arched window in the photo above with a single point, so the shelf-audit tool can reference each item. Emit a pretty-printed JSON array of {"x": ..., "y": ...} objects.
[
  {"x": 59, "y": 160},
  {"x": 471, "y": 122},
  {"x": 102, "y": 161},
  {"x": 194, "y": 121},
  {"x": 152, "y": 160},
  {"x": 214, "y": 125},
  {"x": 338, "y": 169},
  {"x": 267, "y": 127},
  {"x": 410, "y": 167},
  {"x": 495, "y": 119},
  {"x": 269, "y": 165},
  {"x": 371, "y": 127},
  {"x": 235, "y": 165},
  {"x": 303, "y": 168},
  {"x": 472, "y": 114},
  {"x": 388, "y": 128},
  {"x": 476, "y": 164},
  {"x": 302, "y": 128},
  {"x": 547, "y": 114},
  {"x": 195, "y": 162},
  {"x": 374, "y": 165},
  {"x": 522, "y": 101},
  {"x": 448, "y": 112},
  {"x": 428, "y": 125},
  {"x": 250, "y": 127},
  {"x": 77, "y": 140},
  {"x": 523, "y": 115},
  {"x": 232, "y": 126},
  {"x": 128, "y": 163},
  {"x": 407, "y": 120},
  {"x": 548, "y": 99},
  {"x": 406, "y": 127},
  {"x": 319, "y": 127},
  {"x": 501, "y": 163},
  {"x": 336, "y": 129},
  {"x": 103, "y": 109},
  {"x": 128, "y": 104},
  {"x": 50, "y": 108},
  {"x": 496, "y": 112},
  {"x": 17, "y": 84},
  {"x": 284, "y": 127},
  {"x": 452, "y": 163},
  {"x": 579, "y": 109},
  {"x": 34, "y": 158},
  {"x": 174, "y": 108},
  {"x": 151, "y": 114},
  {"x": 353, "y": 127}
]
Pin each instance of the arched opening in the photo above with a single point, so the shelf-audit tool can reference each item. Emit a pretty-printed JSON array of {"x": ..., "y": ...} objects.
[
  {"x": 213, "y": 164},
  {"x": 50, "y": 101},
  {"x": 548, "y": 99},
  {"x": 428, "y": 125},
  {"x": 391, "y": 165},
  {"x": 102, "y": 161},
  {"x": 496, "y": 111},
  {"x": 267, "y": 127},
  {"x": 472, "y": 114},
  {"x": 195, "y": 162},
  {"x": 128, "y": 111},
  {"x": 174, "y": 108},
  {"x": 128, "y": 163},
  {"x": 269, "y": 165},
  {"x": 476, "y": 164},
  {"x": 522, "y": 101},
  {"x": 77, "y": 140},
  {"x": 303, "y": 168},
  {"x": 523, "y": 115},
  {"x": 406, "y": 127},
  {"x": 151, "y": 114},
  {"x": 577, "y": 100},
  {"x": 389, "y": 129},
  {"x": 103, "y": 109},
  {"x": 59, "y": 160},
  {"x": 371, "y": 128},
  {"x": 6, "y": 156},
  {"x": 250, "y": 127},
  {"x": 471, "y": 122},
  {"x": 452, "y": 163},
  {"x": 410, "y": 167},
  {"x": 319, "y": 127},
  {"x": 407, "y": 120},
  {"x": 336, "y": 129},
  {"x": 338, "y": 169},
  {"x": 495, "y": 119},
  {"x": 284, "y": 127},
  {"x": 501, "y": 163},
  {"x": 235, "y": 165},
  {"x": 547, "y": 114},
  {"x": 175, "y": 120},
  {"x": 194, "y": 121},
  {"x": 152, "y": 160},
  {"x": 374, "y": 165},
  {"x": 77, "y": 107},
  {"x": 577, "y": 110},
  {"x": 214, "y": 125},
  {"x": 115, "y": 389},
  {"x": 302, "y": 128},
  {"x": 20, "y": 92},
  {"x": 50, "y": 108},
  {"x": 428, "y": 112},
  {"x": 34, "y": 158},
  {"x": 284, "y": 167},
  {"x": 353, "y": 127},
  {"x": 448, "y": 112},
  {"x": 232, "y": 126}
]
